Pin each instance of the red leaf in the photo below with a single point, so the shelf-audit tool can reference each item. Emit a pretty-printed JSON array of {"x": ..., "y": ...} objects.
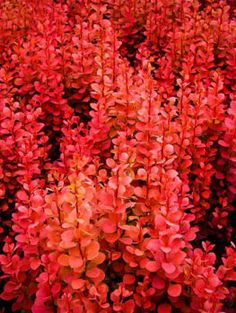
[
  {"x": 110, "y": 163},
  {"x": 77, "y": 283},
  {"x": 142, "y": 174},
  {"x": 126, "y": 180},
  {"x": 93, "y": 272},
  {"x": 67, "y": 235},
  {"x": 214, "y": 281},
  {"x": 152, "y": 266},
  {"x": 37, "y": 201},
  {"x": 19, "y": 82},
  {"x": 129, "y": 279},
  {"x": 22, "y": 195},
  {"x": 158, "y": 283},
  {"x": 34, "y": 264},
  {"x": 129, "y": 306},
  {"x": 140, "y": 192},
  {"x": 169, "y": 268},
  {"x": 172, "y": 173},
  {"x": 223, "y": 143},
  {"x": 174, "y": 290},
  {"x": 56, "y": 287},
  {"x": 229, "y": 123},
  {"x": 168, "y": 149},
  {"x": 21, "y": 238},
  {"x": 165, "y": 249},
  {"x": 153, "y": 245},
  {"x": 106, "y": 198},
  {"x": 107, "y": 225},
  {"x": 164, "y": 308},
  {"x": 63, "y": 260},
  {"x": 124, "y": 156}
]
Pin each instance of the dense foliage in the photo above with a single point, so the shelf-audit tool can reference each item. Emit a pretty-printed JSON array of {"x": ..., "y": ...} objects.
[{"x": 117, "y": 156}]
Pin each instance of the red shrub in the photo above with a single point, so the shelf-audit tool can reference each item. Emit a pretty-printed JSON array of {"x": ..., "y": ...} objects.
[{"x": 117, "y": 156}]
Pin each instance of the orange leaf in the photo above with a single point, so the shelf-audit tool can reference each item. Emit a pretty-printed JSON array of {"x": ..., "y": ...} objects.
[
  {"x": 63, "y": 260},
  {"x": 93, "y": 272},
  {"x": 75, "y": 262},
  {"x": 100, "y": 258},
  {"x": 92, "y": 250}
]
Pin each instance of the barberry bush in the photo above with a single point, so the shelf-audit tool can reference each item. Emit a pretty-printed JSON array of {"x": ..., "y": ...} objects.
[{"x": 117, "y": 156}]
